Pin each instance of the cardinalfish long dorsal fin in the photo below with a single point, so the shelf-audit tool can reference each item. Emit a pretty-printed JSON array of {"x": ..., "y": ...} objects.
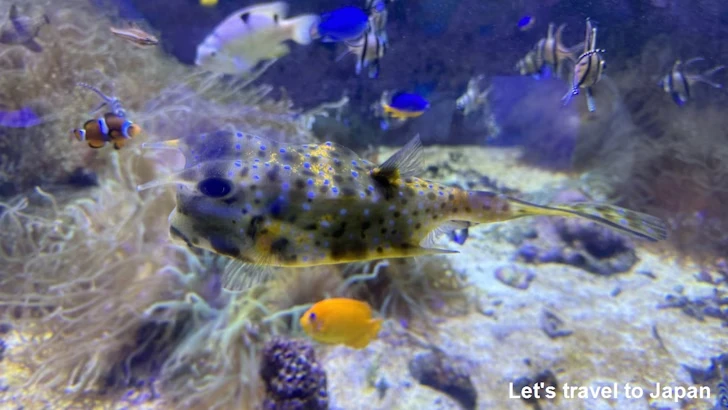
[
  {"x": 407, "y": 162},
  {"x": 113, "y": 102}
]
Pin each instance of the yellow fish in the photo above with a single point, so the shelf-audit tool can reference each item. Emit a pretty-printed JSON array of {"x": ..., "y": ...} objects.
[
  {"x": 275, "y": 204},
  {"x": 208, "y": 3},
  {"x": 341, "y": 321}
]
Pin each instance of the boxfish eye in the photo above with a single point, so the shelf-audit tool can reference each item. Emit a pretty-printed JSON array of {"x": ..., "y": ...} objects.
[
  {"x": 215, "y": 187},
  {"x": 312, "y": 316}
]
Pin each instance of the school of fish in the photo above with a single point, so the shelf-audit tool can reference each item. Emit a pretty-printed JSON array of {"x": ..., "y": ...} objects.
[{"x": 271, "y": 204}]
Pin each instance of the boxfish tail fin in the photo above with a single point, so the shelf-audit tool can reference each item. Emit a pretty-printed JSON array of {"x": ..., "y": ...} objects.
[{"x": 630, "y": 222}]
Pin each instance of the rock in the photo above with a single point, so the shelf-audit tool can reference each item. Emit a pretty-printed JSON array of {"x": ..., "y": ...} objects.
[{"x": 436, "y": 370}]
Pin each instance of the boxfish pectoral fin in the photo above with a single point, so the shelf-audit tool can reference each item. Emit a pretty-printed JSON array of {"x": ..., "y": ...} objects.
[{"x": 239, "y": 276}]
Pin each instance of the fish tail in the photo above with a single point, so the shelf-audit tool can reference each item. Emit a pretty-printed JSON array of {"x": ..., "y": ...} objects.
[
  {"x": 705, "y": 77},
  {"x": 303, "y": 28},
  {"x": 624, "y": 220}
]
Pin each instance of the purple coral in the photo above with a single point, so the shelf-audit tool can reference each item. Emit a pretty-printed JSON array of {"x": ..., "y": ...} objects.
[{"x": 293, "y": 378}]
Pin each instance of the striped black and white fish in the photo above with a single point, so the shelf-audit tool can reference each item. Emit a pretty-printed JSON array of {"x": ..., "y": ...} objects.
[
  {"x": 679, "y": 83},
  {"x": 588, "y": 69},
  {"x": 368, "y": 50}
]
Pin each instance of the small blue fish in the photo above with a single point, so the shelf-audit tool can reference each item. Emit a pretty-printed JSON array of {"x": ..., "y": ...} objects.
[
  {"x": 343, "y": 24},
  {"x": 526, "y": 22},
  {"x": 405, "y": 105},
  {"x": 22, "y": 118}
]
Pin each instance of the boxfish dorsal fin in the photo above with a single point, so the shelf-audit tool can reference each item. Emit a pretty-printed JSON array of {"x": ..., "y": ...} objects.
[{"x": 402, "y": 164}]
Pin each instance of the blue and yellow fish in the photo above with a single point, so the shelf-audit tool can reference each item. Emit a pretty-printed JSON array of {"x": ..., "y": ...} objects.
[
  {"x": 269, "y": 203},
  {"x": 341, "y": 321},
  {"x": 402, "y": 105}
]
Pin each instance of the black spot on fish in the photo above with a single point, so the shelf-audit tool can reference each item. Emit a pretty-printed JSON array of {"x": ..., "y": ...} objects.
[
  {"x": 339, "y": 232},
  {"x": 315, "y": 159},
  {"x": 244, "y": 172},
  {"x": 366, "y": 225},
  {"x": 224, "y": 246},
  {"x": 308, "y": 173},
  {"x": 351, "y": 249},
  {"x": 431, "y": 196},
  {"x": 324, "y": 189},
  {"x": 261, "y": 154},
  {"x": 272, "y": 174},
  {"x": 379, "y": 249},
  {"x": 418, "y": 225},
  {"x": 346, "y": 191},
  {"x": 383, "y": 231},
  {"x": 442, "y": 205},
  {"x": 245, "y": 17},
  {"x": 299, "y": 183},
  {"x": 408, "y": 180},
  {"x": 215, "y": 187},
  {"x": 396, "y": 214},
  {"x": 275, "y": 18},
  {"x": 451, "y": 197},
  {"x": 277, "y": 207},
  {"x": 287, "y": 157},
  {"x": 255, "y": 223},
  {"x": 310, "y": 227},
  {"x": 279, "y": 245}
]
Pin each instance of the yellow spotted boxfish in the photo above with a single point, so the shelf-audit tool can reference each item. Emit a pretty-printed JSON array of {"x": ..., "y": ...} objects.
[{"x": 274, "y": 204}]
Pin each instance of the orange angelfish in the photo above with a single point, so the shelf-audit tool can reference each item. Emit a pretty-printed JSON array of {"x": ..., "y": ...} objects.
[{"x": 341, "y": 321}]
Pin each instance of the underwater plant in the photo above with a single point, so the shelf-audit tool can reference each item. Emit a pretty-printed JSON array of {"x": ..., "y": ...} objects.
[
  {"x": 76, "y": 46},
  {"x": 410, "y": 290},
  {"x": 677, "y": 166}
]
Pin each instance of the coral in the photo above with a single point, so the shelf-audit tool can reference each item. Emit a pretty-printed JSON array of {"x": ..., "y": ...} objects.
[
  {"x": 408, "y": 289},
  {"x": 293, "y": 377},
  {"x": 583, "y": 244},
  {"x": 446, "y": 374}
]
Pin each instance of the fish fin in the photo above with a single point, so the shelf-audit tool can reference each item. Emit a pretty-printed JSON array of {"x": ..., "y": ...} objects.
[
  {"x": 277, "y": 8},
  {"x": 691, "y": 61},
  {"x": 590, "y": 104},
  {"x": 344, "y": 54},
  {"x": 301, "y": 28},
  {"x": 363, "y": 341},
  {"x": 96, "y": 144},
  {"x": 402, "y": 164},
  {"x": 704, "y": 78},
  {"x": 430, "y": 240},
  {"x": 239, "y": 276},
  {"x": 626, "y": 221},
  {"x": 568, "y": 96},
  {"x": 33, "y": 46}
]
